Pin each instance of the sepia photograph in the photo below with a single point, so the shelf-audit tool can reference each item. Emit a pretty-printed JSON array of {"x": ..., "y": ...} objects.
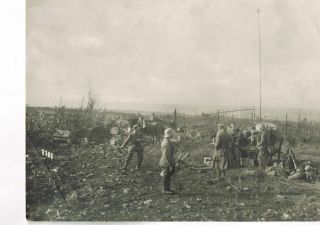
[{"x": 172, "y": 110}]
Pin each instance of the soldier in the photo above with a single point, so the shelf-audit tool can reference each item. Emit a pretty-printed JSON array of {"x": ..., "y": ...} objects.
[
  {"x": 173, "y": 124},
  {"x": 141, "y": 121},
  {"x": 230, "y": 151},
  {"x": 232, "y": 129},
  {"x": 236, "y": 147},
  {"x": 233, "y": 153},
  {"x": 263, "y": 147},
  {"x": 220, "y": 157},
  {"x": 174, "y": 138},
  {"x": 254, "y": 136},
  {"x": 134, "y": 140},
  {"x": 167, "y": 162}
]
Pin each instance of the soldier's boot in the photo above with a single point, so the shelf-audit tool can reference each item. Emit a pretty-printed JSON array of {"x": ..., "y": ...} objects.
[
  {"x": 223, "y": 174},
  {"x": 218, "y": 177},
  {"x": 259, "y": 163},
  {"x": 166, "y": 184},
  {"x": 262, "y": 164},
  {"x": 140, "y": 159},
  {"x": 126, "y": 164},
  {"x": 127, "y": 161},
  {"x": 125, "y": 167},
  {"x": 139, "y": 164},
  {"x": 166, "y": 189}
]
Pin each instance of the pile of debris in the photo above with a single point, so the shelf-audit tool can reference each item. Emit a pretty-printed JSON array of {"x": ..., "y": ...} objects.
[
  {"x": 291, "y": 169},
  {"x": 61, "y": 137}
]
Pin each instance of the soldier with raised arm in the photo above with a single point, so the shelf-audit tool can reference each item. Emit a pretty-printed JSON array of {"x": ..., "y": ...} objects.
[{"x": 133, "y": 140}]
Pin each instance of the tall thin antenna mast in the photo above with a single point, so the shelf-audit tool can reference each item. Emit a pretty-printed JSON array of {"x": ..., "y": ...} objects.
[
  {"x": 260, "y": 117},
  {"x": 89, "y": 90}
]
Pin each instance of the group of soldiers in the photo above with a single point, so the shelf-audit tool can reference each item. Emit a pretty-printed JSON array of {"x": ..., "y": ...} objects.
[{"x": 227, "y": 145}]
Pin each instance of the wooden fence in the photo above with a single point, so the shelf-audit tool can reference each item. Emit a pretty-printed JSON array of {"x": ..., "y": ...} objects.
[{"x": 228, "y": 115}]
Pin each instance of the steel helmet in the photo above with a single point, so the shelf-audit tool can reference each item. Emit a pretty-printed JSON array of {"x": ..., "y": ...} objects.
[
  {"x": 168, "y": 133},
  {"x": 308, "y": 163},
  {"x": 308, "y": 168},
  {"x": 220, "y": 125}
]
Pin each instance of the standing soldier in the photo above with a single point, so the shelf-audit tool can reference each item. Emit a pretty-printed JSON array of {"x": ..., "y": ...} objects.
[
  {"x": 232, "y": 133},
  {"x": 141, "y": 121},
  {"x": 171, "y": 126},
  {"x": 254, "y": 136},
  {"x": 236, "y": 147},
  {"x": 167, "y": 162},
  {"x": 263, "y": 147},
  {"x": 134, "y": 141},
  {"x": 232, "y": 129},
  {"x": 220, "y": 157},
  {"x": 229, "y": 150}
]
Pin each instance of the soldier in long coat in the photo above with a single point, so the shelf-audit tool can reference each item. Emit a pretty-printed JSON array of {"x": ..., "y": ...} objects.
[
  {"x": 263, "y": 148},
  {"x": 167, "y": 162},
  {"x": 220, "y": 155},
  {"x": 233, "y": 151},
  {"x": 236, "y": 147}
]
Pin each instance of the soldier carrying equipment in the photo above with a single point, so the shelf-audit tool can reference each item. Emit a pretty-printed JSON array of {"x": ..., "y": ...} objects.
[{"x": 134, "y": 140}]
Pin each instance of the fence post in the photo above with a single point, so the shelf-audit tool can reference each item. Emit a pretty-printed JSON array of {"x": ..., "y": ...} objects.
[{"x": 299, "y": 124}]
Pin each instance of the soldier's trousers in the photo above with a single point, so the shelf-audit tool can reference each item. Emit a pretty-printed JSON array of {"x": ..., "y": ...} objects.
[
  {"x": 236, "y": 157},
  {"x": 230, "y": 158},
  {"x": 262, "y": 157},
  {"x": 131, "y": 150},
  {"x": 220, "y": 159},
  {"x": 166, "y": 179}
]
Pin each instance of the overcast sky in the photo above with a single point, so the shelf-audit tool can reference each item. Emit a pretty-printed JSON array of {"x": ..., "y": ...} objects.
[{"x": 174, "y": 51}]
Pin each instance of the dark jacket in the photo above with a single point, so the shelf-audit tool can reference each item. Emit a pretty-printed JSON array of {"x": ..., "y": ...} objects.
[
  {"x": 264, "y": 137},
  {"x": 133, "y": 139},
  {"x": 223, "y": 140}
]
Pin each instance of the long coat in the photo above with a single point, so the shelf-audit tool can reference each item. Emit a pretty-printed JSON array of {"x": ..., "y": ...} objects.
[
  {"x": 167, "y": 158},
  {"x": 223, "y": 147}
]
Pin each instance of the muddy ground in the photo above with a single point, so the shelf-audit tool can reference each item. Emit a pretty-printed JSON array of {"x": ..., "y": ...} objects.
[{"x": 87, "y": 184}]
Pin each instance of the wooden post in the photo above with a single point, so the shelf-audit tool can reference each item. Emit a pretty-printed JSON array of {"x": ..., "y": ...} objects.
[{"x": 260, "y": 119}]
